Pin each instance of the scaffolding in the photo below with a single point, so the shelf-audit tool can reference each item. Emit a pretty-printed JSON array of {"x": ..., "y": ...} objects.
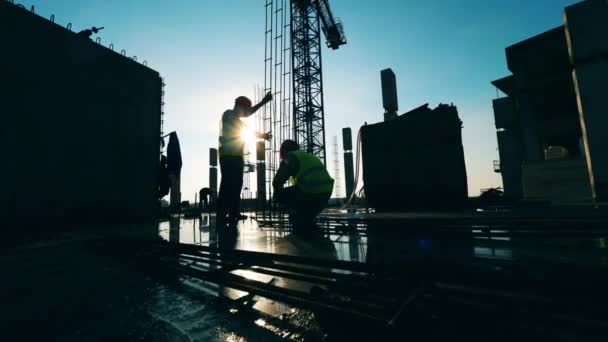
[
  {"x": 337, "y": 177},
  {"x": 248, "y": 169},
  {"x": 162, "y": 112}
]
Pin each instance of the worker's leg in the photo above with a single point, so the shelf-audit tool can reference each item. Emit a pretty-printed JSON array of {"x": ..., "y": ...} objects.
[
  {"x": 238, "y": 179},
  {"x": 222, "y": 194},
  {"x": 309, "y": 208},
  {"x": 296, "y": 204},
  {"x": 319, "y": 203},
  {"x": 235, "y": 185},
  {"x": 287, "y": 197},
  {"x": 232, "y": 180}
]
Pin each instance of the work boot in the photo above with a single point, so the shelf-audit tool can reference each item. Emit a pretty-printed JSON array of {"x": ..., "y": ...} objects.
[
  {"x": 232, "y": 222},
  {"x": 220, "y": 221}
]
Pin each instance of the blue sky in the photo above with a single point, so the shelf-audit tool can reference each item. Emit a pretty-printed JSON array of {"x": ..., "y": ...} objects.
[{"x": 211, "y": 51}]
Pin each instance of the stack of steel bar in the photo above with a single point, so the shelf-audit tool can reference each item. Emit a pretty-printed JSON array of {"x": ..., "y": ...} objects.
[{"x": 532, "y": 298}]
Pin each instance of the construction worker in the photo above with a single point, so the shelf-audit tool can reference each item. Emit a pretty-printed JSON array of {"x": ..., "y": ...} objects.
[
  {"x": 310, "y": 190},
  {"x": 231, "y": 152}
]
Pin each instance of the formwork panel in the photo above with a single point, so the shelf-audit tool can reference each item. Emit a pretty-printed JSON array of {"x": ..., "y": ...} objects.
[
  {"x": 85, "y": 123},
  {"x": 415, "y": 162}
]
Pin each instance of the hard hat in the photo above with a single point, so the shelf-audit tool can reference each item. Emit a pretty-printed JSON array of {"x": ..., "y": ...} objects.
[
  {"x": 243, "y": 101},
  {"x": 288, "y": 146}
]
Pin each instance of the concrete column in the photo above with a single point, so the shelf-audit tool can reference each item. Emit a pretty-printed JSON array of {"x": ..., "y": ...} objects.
[
  {"x": 176, "y": 195},
  {"x": 510, "y": 164},
  {"x": 347, "y": 145},
  {"x": 509, "y": 147},
  {"x": 389, "y": 94},
  {"x": 532, "y": 148},
  {"x": 586, "y": 26},
  {"x": 213, "y": 184},
  {"x": 213, "y": 174},
  {"x": 261, "y": 174}
]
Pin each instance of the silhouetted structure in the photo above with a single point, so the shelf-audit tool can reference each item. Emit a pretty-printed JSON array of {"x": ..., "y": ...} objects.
[
  {"x": 293, "y": 74},
  {"x": 308, "y": 19},
  {"x": 164, "y": 183},
  {"x": 213, "y": 174},
  {"x": 337, "y": 172},
  {"x": 89, "y": 32},
  {"x": 349, "y": 175},
  {"x": 205, "y": 196},
  {"x": 551, "y": 137},
  {"x": 416, "y": 161},
  {"x": 389, "y": 94},
  {"x": 174, "y": 169},
  {"x": 82, "y": 126},
  {"x": 261, "y": 173}
]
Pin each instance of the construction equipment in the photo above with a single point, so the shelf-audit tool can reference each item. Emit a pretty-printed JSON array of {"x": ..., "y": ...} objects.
[
  {"x": 293, "y": 74},
  {"x": 308, "y": 18}
]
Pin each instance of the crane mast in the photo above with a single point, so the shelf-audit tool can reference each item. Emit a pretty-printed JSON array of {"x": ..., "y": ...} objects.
[{"x": 308, "y": 19}]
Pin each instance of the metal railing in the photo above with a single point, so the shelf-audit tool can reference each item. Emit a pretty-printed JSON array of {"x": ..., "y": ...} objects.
[
  {"x": 69, "y": 27},
  {"x": 497, "y": 166}
]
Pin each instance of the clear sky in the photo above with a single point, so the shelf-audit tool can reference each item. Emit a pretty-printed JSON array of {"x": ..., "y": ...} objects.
[{"x": 211, "y": 51}]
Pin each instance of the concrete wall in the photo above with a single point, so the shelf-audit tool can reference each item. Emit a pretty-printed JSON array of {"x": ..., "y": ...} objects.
[
  {"x": 80, "y": 126},
  {"x": 558, "y": 181},
  {"x": 509, "y": 147},
  {"x": 586, "y": 29},
  {"x": 416, "y": 161}
]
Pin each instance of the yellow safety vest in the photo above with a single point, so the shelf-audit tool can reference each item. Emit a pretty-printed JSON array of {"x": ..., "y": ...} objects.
[
  {"x": 312, "y": 177},
  {"x": 231, "y": 142}
]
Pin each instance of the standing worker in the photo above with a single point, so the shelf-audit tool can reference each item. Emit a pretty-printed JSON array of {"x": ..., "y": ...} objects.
[
  {"x": 231, "y": 152},
  {"x": 311, "y": 186}
]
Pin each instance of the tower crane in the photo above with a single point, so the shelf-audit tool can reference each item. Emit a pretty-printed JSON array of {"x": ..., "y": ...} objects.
[{"x": 308, "y": 19}]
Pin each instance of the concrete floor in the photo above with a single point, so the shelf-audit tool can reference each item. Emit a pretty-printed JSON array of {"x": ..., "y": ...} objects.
[{"x": 72, "y": 287}]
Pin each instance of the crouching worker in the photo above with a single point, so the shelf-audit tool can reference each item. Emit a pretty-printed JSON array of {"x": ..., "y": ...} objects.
[{"x": 310, "y": 190}]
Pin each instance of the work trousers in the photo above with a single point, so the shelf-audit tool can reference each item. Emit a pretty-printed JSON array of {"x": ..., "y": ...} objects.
[
  {"x": 229, "y": 197},
  {"x": 303, "y": 207}
]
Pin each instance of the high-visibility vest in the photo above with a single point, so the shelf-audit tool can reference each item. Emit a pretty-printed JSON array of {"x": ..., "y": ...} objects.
[
  {"x": 312, "y": 177},
  {"x": 231, "y": 142}
]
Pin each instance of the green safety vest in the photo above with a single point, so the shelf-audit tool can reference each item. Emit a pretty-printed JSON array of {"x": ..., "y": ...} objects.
[
  {"x": 231, "y": 142},
  {"x": 312, "y": 177}
]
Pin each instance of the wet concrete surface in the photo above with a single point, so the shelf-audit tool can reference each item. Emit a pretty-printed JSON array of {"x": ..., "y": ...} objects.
[
  {"x": 390, "y": 240},
  {"x": 72, "y": 288}
]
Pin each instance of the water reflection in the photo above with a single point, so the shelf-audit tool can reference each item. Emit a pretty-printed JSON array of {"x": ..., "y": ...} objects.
[
  {"x": 382, "y": 241},
  {"x": 343, "y": 245},
  {"x": 374, "y": 242},
  {"x": 193, "y": 231}
]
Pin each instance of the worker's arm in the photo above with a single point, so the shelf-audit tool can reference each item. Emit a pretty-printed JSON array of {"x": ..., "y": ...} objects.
[
  {"x": 288, "y": 168},
  {"x": 255, "y": 108},
  {"x": 265, "y": 136}
]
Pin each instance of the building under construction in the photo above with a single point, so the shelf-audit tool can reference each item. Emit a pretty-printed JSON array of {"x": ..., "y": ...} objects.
[
  {"x": 551, "y": 125},
  {"x": 82, "y": 133},
  {"x": 81, "y": 126}
]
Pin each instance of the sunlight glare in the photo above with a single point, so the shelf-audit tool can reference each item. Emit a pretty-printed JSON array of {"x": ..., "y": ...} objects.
[{"x": 248, "y": 135}]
